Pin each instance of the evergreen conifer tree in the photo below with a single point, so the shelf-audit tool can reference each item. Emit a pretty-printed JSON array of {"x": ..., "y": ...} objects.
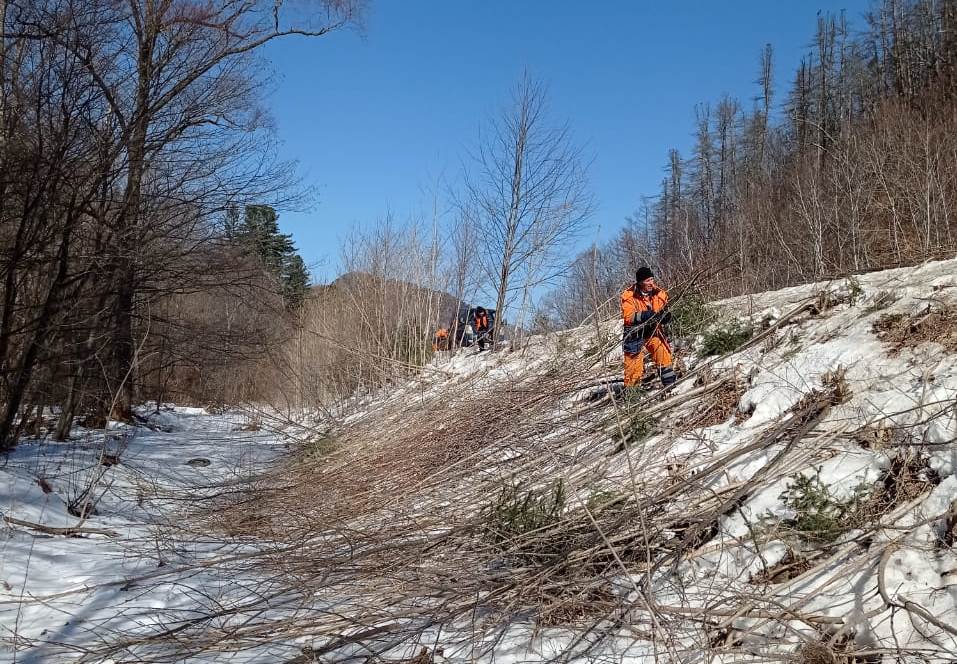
[
  {"x": 295, "y": 282},
  {"x": 258, "y": 233}
]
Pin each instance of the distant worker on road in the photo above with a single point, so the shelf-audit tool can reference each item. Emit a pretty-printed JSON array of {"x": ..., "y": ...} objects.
[
  {"x": 441, "y": 340},
  {"x": 644, "y": 311},
  {"x": 482, "y": 328},
  {"x": 468, "y": 335}
]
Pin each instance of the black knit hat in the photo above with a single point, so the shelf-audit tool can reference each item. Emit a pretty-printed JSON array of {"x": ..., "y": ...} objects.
[{"x": 643, "y": 273}]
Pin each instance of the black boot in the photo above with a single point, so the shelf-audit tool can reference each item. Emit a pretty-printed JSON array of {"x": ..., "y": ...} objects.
[{"x": 668, "y": 376}]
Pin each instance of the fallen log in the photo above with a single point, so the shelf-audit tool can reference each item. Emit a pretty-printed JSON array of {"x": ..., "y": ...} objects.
[{"x": 67, "y": 532}]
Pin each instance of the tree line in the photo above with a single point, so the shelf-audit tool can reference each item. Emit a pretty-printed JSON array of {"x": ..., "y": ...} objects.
[
  {"x": 129, "y": 133},
  {"x": 851, "y": 168},
  {"x": 142, "y": 258}
]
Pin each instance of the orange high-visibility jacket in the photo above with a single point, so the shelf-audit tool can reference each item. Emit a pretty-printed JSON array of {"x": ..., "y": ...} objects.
[
  {"x": 634, "y": 303},
  {"x": 441, "y": 333},
  {"x": 481, "y": 322}
]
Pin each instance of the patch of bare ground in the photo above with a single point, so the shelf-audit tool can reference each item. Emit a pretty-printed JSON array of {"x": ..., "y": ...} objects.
[
  {"x": 908, "y": 476},
  {"x": 839, "y": 650},
  {"x": 579, "y": 607},
  {"x": 719, "y": 407},
  {"x": 937, "y": 324},
  {"x": 792, "y": 565}
]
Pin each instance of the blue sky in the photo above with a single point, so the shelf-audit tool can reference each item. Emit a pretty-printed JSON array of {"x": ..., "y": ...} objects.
[{"x": 377, "y": 120}]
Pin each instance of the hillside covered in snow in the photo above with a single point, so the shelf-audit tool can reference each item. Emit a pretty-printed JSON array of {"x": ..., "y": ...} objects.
[{"x": 792, "y": 498}]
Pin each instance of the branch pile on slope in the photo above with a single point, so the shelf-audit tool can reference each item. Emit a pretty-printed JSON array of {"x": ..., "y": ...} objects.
[
  {"x": 932, "y": 324},
  {"x": 456, "y": 510}
]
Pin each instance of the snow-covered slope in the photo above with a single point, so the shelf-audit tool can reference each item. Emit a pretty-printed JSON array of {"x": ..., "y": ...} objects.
[
  {"x": 833, "y": 525},
  {"x": 793, "y": 500},
  {"x": 124, "y": 569}
]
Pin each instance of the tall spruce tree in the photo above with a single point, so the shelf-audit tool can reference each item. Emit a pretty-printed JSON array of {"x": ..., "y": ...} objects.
[
  {"x": 295, "y": 282},
  {"x": 259, "y": 234}
]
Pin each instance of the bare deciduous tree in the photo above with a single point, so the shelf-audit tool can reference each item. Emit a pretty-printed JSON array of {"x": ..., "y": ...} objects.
[
  {"x": 126, "y": 130},
  {"x": 174, "y": 75},
  {"x": 527, "y": 194}
]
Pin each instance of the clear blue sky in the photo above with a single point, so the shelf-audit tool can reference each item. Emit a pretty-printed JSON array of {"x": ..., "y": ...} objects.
[{"x": 375, "y": 120}]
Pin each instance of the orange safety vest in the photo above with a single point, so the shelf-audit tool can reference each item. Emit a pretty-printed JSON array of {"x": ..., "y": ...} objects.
[
  {"x": 481, "y": 322},
  {"x": 441, "y": 333}
]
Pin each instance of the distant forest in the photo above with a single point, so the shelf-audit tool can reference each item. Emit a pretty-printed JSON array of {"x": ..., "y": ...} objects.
[{"x": 852, "y": 167}]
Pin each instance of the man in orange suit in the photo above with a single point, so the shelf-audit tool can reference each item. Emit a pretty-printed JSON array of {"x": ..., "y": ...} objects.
[{"x": 644, "y": 309}]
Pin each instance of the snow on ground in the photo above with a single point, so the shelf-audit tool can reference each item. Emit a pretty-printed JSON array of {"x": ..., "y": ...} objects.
[
  {"x": 907, "y": 397},
  {"x": 61, "y": 594}
]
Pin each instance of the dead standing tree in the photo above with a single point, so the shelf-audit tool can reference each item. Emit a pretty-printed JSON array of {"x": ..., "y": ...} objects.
[
  {"x": 462, "y": 268},
  {"x": 527, "y": 192}
]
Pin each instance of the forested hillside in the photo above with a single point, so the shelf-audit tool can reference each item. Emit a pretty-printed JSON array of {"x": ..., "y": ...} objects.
[
  {"x": 138, "y": 261},
  {"x": 849, "y": 168}
]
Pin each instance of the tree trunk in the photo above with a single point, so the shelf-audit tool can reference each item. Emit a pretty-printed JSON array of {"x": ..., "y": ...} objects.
[
  {"x": 68, "y": 411},
  {"x": 123, "y": 351},
  {"x": 38, "y": 421},
  {"x": 128, "y": 221},
  {"x": 31, "y": 353}
]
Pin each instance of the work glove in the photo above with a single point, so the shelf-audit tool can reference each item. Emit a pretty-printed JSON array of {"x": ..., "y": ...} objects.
[
  {"x": 642, "y": 318},
  {"x": 662, "y": 317},
  {"x": 650, "y": 321}
]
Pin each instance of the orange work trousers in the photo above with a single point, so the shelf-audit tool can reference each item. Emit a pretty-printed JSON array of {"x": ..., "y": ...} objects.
[{"x": 635, "y": 362}]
